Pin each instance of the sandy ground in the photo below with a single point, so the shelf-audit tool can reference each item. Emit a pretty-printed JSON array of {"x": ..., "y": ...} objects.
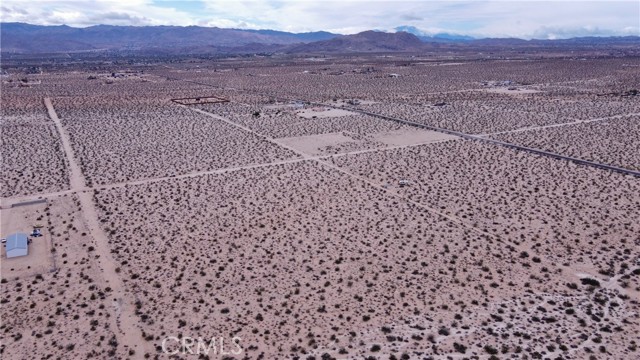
[
  {"x": 410, "y": 137},
  {"x": 280, "y": 106},
  {"x": 343, "y": 102},
  {"x": 321, "y": 113},
  {"x": 345, "y": 142},
  {"x": 576, "y": 122},
  {"x": 313, "y": 144},
  {"x": 516, "y": 91}
]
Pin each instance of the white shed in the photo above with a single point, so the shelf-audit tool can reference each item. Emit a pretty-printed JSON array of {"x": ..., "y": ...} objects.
[{"x": 17, "y": 245}]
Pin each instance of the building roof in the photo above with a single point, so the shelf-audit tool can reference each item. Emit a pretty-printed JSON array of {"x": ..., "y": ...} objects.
[{"x": 17, "y": 241}]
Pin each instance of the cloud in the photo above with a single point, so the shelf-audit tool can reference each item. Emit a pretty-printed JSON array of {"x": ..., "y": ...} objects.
[
  {"x": 525, "y": 19},
  {"x": 116, "y": 18},
  {"x": 409, "y": 17},
  {"x": 547, "y": 32},
  {"x": 87, "y": 13},
  {"x": 228, "y": 24}
]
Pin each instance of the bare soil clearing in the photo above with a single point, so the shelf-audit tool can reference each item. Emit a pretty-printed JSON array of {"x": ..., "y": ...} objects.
[
  {"x": 512, "y": 91},
  {"x": 312, "y": 144},
  {"x": 321, "y": 113},
  {"x": 411, "y": 137},
  {"x": 22, "y": 219}
]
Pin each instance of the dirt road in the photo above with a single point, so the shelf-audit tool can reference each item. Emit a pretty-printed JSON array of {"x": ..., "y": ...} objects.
[
  {"x": 124, "y": 321},
  {"x": 76, "y": 179}
]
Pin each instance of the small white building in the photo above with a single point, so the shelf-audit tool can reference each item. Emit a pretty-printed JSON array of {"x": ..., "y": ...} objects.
[
  {"x": 17, "y": 245},
  {"x": 298, "y": 104}
]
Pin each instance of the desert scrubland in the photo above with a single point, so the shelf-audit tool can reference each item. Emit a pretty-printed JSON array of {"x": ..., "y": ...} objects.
[
  {"x": 516, "y": 196},
  {"x": 288, "y": 218},
  {"x": 32, "y": 158},
  {"x": 361, "y": 268},
  {"x": 133, "y": 141}
]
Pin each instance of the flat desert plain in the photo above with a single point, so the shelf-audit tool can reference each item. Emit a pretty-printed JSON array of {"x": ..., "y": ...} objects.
[{"x": 300, "y": 210}]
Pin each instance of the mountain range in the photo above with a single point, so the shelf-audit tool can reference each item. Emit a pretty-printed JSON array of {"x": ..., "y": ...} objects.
[
  {"x": 27, "y": 38},
  {"x": 22, "y": 38}
]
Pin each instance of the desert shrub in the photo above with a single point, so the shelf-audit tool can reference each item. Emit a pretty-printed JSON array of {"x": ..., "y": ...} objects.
[
  {"x": 459, "y": 348},
  {"x": 590, "y": 281},
  {"x": 490, "y": 350}
]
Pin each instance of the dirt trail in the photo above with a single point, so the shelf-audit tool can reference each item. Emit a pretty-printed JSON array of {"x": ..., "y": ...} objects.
[
  {"x": 559, "y": 125},
  {"x": 24, "y": 198},
  {"x": 76, "y": 179},
  {"x": 124, "y": 322}
]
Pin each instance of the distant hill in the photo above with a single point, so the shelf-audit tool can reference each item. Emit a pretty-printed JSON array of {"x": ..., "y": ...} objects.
[
  {"x": 367, "y": 41},
  {"x": 588, "y": 41},
  {"x": 299, "y": 37},
  {"x": 26, "y": 38}
]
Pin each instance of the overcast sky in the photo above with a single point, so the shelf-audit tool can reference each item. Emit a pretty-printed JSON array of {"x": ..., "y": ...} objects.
[{"x": 515, "y": 18}]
